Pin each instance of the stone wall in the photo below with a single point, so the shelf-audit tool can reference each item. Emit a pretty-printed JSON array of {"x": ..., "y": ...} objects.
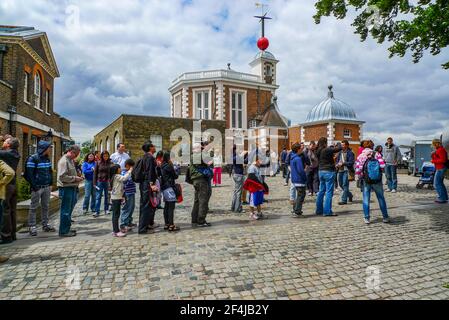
[
  {"x": 135, "y": 130},
  {"x": 315, "y": 132}
]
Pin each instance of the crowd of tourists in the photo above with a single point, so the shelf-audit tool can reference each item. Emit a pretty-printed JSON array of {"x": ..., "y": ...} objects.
[{"x": 317, "y": 169}]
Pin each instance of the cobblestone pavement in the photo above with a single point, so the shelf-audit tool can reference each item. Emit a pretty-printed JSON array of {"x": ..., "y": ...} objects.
[{"x": 282, "y": 257}]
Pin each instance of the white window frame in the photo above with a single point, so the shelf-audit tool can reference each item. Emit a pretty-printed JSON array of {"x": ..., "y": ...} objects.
[
  {"x": 47, "y": 101},
  {"x": 251, "y": 122},
  {"x": 108, "y": 145},
  {"x": 244, "y": 109},
  {"x": 268, "y": 70},
  {"x": 33, "y": 144},
  {"x": 101, "y": 146},
  {"x": 177, "y": 96},
  {"x": 155, "y": 138},
  {"x": 37, "y": 91},
  {"x": 116, "y": 139},
  {"x": 347, "y": 136},
  {"x": 194, "y": 106},
  {"x": 26, "y": 81}
]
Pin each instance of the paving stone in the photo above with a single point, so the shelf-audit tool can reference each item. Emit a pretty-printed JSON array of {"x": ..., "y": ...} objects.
[{"x": 275, "y": 258}]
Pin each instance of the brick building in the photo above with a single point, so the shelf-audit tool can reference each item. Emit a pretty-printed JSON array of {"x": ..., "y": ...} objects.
[
  {"x": 331, "y": 118},
  {"x": 245, "y": 101},
  {"x": 27, "y": 73},
  {"x": 134, "y": 130}
]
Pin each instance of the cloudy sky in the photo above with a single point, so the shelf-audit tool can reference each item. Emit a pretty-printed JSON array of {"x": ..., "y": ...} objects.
[{"x": 121, "y": 56}]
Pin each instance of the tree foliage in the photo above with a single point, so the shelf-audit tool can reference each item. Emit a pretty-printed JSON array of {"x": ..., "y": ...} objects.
[
  {"x": 86, "y": 147},
  {"x": 416, "y": 26}
]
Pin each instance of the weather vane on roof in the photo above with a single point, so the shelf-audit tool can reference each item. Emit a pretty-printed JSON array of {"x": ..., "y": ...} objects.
[{"x": 263, "y": 42}]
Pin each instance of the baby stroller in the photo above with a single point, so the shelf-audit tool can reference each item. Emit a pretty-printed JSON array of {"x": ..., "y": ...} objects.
[{"x": 428, "y": 174}]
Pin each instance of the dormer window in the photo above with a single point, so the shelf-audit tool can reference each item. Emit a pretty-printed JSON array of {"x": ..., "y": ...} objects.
[
  {"x": 253, "y": 123},
  {"x": 268, "y": 71}
]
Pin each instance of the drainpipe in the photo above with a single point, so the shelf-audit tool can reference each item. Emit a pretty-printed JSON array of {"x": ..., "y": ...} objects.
[{"x": 12, "y": 110}]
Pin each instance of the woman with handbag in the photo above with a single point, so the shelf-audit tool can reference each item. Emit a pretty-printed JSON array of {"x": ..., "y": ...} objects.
[{"x": 168, "y": 187}]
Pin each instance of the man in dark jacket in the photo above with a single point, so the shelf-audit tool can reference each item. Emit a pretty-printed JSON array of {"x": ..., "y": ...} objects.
[
  {"x": 11, "y": 157},
  {"x": 299, "y": 177},
  {"x": 284, "y": 167},
  {"x": 39, "y": 174},
  {"x": 239, "y": 161},
  {"x": 199, "y": 173},
  {"x": 345, "y": 166},
  {"x": 147, "y": 210}
]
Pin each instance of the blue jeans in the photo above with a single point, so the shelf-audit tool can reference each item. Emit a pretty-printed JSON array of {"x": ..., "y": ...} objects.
[
  {"x": 292, "y": 192},
  {"x": 128, "y": 210},
  {"x": 104, "y": 187},
  {"x": 327, "y": 180},
  {"x": 89, "y": 195},
  {"x": 379, "y": 190},
  {"x": 392, "y": 179},
  {"x": 439, "y": 185},
  {"x": 287, "y": 177},
  {"x": 67, "y": 196},
  {"x": 343, "y": 181}
]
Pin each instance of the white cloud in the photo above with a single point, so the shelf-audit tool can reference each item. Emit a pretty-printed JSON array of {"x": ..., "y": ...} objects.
[{"x": 124, "y": 54}]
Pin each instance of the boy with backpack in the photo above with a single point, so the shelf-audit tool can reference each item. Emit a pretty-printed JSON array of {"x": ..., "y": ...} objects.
[
  {"x": 129, "y": 190},
  {"x": 368, "y": 167}
]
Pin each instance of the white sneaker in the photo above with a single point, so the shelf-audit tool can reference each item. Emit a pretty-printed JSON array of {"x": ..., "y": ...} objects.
[
  {"x": 388, "y": 190},
  {"x": 254, "y": 217},
  {"x": 393, "y": 191},
  {"x": 285, "y": 184},
  {"x": 366, "y": 221},
  {"x": 119, "y": 234}
]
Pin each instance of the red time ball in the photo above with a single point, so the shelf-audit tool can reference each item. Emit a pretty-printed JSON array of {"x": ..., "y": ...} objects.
[{"x": 263, "y": 43}]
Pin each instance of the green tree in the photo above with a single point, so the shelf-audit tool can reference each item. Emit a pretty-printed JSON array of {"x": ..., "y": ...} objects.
[
  {"x": 415, "y": 26},
  {"x": 86, "y": 147}
]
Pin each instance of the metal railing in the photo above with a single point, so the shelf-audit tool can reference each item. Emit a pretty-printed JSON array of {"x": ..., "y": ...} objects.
[{"x": 214, "y": 74}]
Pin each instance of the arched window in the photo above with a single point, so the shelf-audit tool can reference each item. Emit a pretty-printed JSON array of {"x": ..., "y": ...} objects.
[
  {"x": 37, "y": 90},
  {"x": 116, "y": 139},
  {"x": 108, "y": 145},
  {"x": 101, "y": 146}
]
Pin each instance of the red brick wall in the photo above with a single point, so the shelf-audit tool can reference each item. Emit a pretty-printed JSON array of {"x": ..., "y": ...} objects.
[
  {"x": 251, "y": 102},
  {"x": 294, "y": 135},
  {"x": 340, "y": 127},
  {"x": 315, "y": 132}
]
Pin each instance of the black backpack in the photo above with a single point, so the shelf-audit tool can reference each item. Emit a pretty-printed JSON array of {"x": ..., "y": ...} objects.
[{"x": 139, "y": 172}]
